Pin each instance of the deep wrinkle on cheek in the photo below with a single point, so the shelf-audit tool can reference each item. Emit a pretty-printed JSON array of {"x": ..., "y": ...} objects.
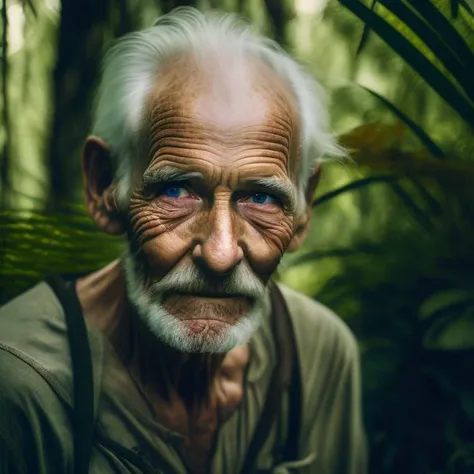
[{"x": 149, "y": 220}]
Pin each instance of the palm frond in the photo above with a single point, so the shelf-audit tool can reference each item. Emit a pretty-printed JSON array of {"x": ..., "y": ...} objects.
[
  {"x": 438, "y": 41},
  {"x": 424, "y": 138},
  {"x": 466, "y": 7},
  {"x": 442, "y": 25},
  {"x": 357, "y": 184},
  {"x": 423, "y": 66},
  {"x": 454, "y": 4},
  {"x": 34, "y": 245},
  {"x": 421, "y": 217},
  {"x": 365, "y": 32}
]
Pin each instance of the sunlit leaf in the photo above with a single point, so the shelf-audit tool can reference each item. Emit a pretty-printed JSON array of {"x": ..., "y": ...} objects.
[
  {"x": 435, "y": 40},
  {"x": 365, "y": 32},
  {"x": 441, "y": 24},
  {"x": 444, "y": 300},
  {"x": 451, "y": 334},
  {"x": 360, "y": 183},
  {"x": 35, "y": 245},
  {"x": 442, "y": 49},
  {"x": 435, "y": 78},
  {"x": 466, "y": 6}
]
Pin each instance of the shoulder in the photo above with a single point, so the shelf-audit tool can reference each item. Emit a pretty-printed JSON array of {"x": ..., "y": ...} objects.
[
  {"x": 33, "y": 418},
  {"x": 33, "y": 338},
  {"x": 35, "y": 382},
  {"x": 23, "y": 386},
  {"x": 316, "y": 324},
  {"x": 29, "y": 307},
  {"x": 327, "y": 349}
]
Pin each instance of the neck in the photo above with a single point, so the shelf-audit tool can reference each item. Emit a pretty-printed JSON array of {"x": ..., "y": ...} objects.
[{"x": 154, "y": 366}]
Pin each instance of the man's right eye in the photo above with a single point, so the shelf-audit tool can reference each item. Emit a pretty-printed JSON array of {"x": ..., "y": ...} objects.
[{"x": 174, "y": 192}]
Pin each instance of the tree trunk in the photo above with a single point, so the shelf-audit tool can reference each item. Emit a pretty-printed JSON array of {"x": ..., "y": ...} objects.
[
  {"x": 5, "y": 162},
  {"x": 84, "y": 26}
]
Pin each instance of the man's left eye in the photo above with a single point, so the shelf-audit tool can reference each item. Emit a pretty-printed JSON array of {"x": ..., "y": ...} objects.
[
  {"x": 175, "y": 192},
  {"x": 263, "y": 198}
]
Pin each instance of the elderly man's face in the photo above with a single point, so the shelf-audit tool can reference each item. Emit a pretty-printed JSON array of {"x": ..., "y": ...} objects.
[{"x": 212, "y": 213}]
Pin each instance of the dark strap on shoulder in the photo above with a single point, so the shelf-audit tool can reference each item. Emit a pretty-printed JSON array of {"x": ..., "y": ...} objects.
[
  {"x": 285, "y": 376},
  {"x": 83, "y": 405}
]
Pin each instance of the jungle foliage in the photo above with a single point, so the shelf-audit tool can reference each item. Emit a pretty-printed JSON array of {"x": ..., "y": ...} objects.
[{"x": 391, "y": 247}]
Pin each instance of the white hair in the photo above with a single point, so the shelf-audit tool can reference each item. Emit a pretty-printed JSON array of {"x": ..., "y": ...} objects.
[{"x": 130, "y": 72}]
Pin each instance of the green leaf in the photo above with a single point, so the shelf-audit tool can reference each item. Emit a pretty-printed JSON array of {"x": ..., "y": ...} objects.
[
  {"x": 424, "y": 138},
  {"x": 454, "y": 8},
  {"x": 443, "y": 86},
  {"x": 466, "y": 6},
  {"x": 422, "y": 218},
  {"x": 359, "y": 183},
  {"x": 442, "y": 25},
  {"x": 433, "y": 39},
  {"x": 448, "y": 334},
  {"x": 312, "y": 256},
  {"x": 444, "y": 300},
  {"x": 433, "y": 204},
  {"x": 365, "y": 33}
]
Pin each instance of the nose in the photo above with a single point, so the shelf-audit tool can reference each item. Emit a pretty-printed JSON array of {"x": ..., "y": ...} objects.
[{"x": 219, "y": 251}]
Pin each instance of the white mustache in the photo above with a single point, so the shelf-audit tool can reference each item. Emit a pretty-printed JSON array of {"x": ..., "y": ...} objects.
[{"x": 242, "y": 282}]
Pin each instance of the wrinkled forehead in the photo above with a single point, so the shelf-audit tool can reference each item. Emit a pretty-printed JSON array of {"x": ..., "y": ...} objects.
[{"x": 224, "y": 94}]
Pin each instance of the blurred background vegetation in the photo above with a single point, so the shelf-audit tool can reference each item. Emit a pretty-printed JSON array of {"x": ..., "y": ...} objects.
[{"x": 392, "y": 242}]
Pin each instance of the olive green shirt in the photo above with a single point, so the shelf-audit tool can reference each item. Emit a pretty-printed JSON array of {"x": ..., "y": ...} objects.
[{"x": 36, "y": 398}]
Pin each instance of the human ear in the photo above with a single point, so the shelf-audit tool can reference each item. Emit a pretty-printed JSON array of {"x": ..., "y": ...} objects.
[
  {"x": 303, "y": 221},
  {"x": 100, "y": 188}
]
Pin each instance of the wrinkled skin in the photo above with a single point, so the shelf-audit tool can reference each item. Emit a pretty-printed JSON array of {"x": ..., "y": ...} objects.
[
  {"x": 214, "y": 222},
  {"x": 227, "y": 135}
]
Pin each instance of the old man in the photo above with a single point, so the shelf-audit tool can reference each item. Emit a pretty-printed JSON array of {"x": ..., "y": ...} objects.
[{"x": 183, "y": 356}]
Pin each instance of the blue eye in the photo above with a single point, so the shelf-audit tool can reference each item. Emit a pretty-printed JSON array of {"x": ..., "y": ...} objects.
[
  {"x": 175, "y": 192},
  {"x": 262, "y": 198}
]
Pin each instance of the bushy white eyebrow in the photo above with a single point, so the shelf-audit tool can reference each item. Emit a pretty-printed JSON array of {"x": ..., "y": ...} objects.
[
  {"x": 168, "y": 174},
  {"x": 284, "y": 190}
]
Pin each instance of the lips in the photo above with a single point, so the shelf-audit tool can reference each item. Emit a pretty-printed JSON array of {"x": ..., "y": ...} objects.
[
  {"x": 206, "y": 294},
  {"x": 225, "y": 309}
]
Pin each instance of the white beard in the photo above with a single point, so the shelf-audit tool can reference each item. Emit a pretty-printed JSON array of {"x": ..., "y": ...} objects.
[{"x": 171, "y": 330}]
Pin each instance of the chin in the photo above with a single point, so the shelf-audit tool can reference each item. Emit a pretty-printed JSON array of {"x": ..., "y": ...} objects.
[{"x": 197, "y": 336}]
